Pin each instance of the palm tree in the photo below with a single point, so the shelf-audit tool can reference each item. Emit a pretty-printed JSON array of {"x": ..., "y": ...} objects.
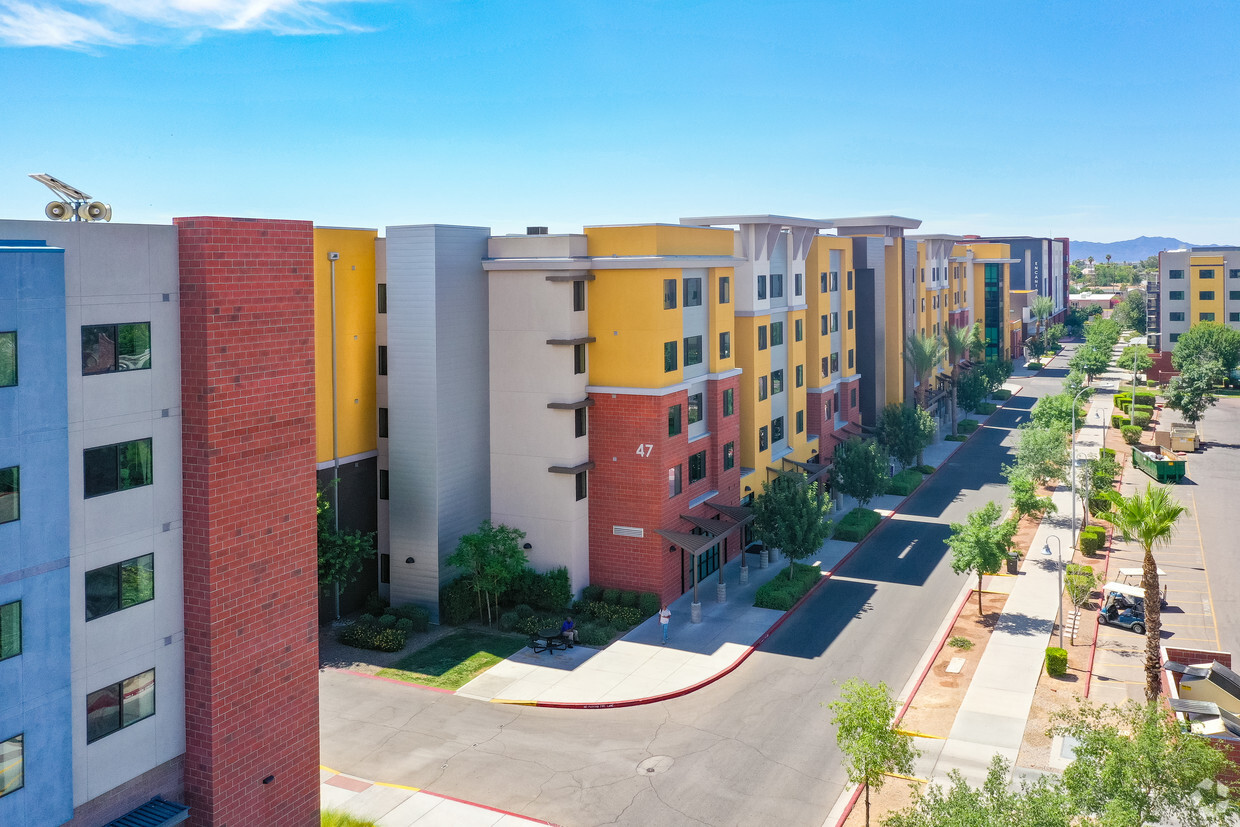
[
  {"x": 923, "y": 354},
  {"x": 959, "y": 341},
  {"x": 1149, "y": 520},
  {"x": 1042, "y": 307}
]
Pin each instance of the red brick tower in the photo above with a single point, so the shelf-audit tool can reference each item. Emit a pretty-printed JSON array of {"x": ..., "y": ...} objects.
[{"x": 251, "y": 648}]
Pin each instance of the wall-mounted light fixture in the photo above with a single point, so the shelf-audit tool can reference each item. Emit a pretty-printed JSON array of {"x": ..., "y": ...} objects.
[
  {"x": 269, "y": 779},
  {"x": 409, "y": 560},
  {"x": 671, "y": 548},
  {"x": 527, "y": 546}
]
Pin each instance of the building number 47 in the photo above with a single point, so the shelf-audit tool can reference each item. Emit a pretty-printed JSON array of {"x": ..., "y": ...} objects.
[{"x": 644, "y": 450}]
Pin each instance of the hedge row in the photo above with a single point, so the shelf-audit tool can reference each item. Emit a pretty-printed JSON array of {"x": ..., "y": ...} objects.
[
  {"x": 1091, "y": 539},
  {"x": 781, "y": 593},
  {"x": 905, "y": 482},
  {"x": 547, "y": 591},
  {"x": 856, "y": 524}
]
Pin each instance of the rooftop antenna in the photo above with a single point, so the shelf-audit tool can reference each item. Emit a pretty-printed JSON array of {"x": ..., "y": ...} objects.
[{"x": 74, "y": 205}]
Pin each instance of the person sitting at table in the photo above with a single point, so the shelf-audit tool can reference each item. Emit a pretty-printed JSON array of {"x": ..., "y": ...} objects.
[{"x": 568, "y": 631}]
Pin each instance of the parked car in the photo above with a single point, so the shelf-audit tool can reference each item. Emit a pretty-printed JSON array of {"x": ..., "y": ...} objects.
[{"x": 1123, "y": 606}]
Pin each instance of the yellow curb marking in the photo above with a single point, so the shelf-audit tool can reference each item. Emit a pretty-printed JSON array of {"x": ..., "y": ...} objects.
[
  {"x": 515, "y": 703},
  {"x": 375, "y": 783},
  {"x": 1209, "y": 592},
  {"x": 916, "y": 734},
  {"x": 907, "y": 777}
]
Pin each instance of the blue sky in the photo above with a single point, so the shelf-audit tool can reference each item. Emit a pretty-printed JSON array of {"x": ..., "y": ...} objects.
[{"x": 1097, "y": 121}]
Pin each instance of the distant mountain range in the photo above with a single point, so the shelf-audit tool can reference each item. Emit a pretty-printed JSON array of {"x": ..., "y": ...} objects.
[{"x": 1132, "y": 250}]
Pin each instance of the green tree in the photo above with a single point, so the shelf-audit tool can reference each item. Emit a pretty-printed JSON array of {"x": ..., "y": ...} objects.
[
  {"x": 1149, "y": 520},
  {"x": 1094, "y": 475},
  {"x": 1079, "y": 585},
  {"x": 1055, "y": 412},
  {"x": 905, "y": 432},
  {"x": 972, "y": 389},
  {"x": 1136, "y": 765},
  {"x": 341, "y": 551},
  {"x": 1130, "y": 312},
  {"x": 859, "y": 469},
  {"x": 958, "y": 341},
  {"x": 1053, "y": 334},
  {"x": 1073, "y": 383},
  {"x": 1041, "y": 307},
  {"x": 981, "y": 544},
  {"x": 1091, "y": 360},
  {"x": 1023, "y": 491},
  {"x": 1036, "y": 347},
  {"x": 1192, "y": 392},
  {"x": 1207, "y": 342},
  {"x": 1042, "y": 453},
  {"x": 790, "y": 515},
  {"x": 866, "y": 734},
  {"x": 493, "y": 555},
  {"x": 1134, "y": 357},
  {"x": 923, "y": 354},
  {"x": 996, "y": 372},
  {"x": 996, "y": 803}
]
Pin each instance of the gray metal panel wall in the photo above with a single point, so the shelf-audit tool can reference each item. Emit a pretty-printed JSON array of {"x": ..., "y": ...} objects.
[
  {"x": 438, "y": 415},
  {"x": 871, "y": 297}
]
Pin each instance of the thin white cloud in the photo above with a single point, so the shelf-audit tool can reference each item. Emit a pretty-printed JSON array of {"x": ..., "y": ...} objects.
[{"x": 90, "y": 23}]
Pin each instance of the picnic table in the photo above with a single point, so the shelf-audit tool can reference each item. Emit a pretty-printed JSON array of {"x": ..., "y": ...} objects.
[{"x": 548, "y": 639}]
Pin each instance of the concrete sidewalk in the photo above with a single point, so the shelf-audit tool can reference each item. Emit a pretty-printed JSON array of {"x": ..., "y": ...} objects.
[
  {"x": 391, "y": 805},
  {"x": 638, "y": 668}
]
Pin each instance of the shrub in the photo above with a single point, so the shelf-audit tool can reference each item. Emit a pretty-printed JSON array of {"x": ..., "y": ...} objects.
[
  {"x": 1144, "y": 398},
  {"x": 592, "y": 593},
  {"x": 530, "y": 625},
  {"x": 419, "y": 617},
  {"x": 1122, "y": 399},
  {"x": 1003, "y": 394},
  {"x": 854, "y": 525},
  {"x": 1132, "y": 434},
  {"x": 373, "y": 636},
  {"x": 624, "y": 617},
  {"x": 780, "y": 593},
  {"x": 1056, "y": 661},
  {"x": 1119, "y": 420},
  {"x": 1078, "y": 568},
  {"x": 648, "y": 604},
  {"x": 967, "y": 426},
  {"x": 1099, "y": 505},
  {"x": 1033, "y": 366},
  {"x": 1149, "y": 409},
  {"x": 956, "y": 438},
  {"x": 508, "y": 621},
  {"x": 1092, "y": 537},
  {"x": 388, "y": 621},
  {"x": 958, "y": 642},
  {"x": 628, "y": 599},
  {"x": 905, "y": 482},
  {"x": 611, "y": 596},
  {"x": 523, "y": 611},
  {"x": 367, "y": 618},
  {"x": 1140, "y": 419},
  {"x": 987, "y": 408},
  {"x": 457, "y": 603},
  {"x": 591, "y": 634},
  {"x": 1109, "y": 453},
  {"x": 404, "y": 624},
  {"x": 1151, "y": 383},
  {"x": 374, "y": 604},
  {"x": 549, "y": 591},
  {"x": 925, "y": 469}
]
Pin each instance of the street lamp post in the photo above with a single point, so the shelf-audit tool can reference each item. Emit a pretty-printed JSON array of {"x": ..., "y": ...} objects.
[
  {"x": 1072, "y": 471},
  {"x": 1046, "y": 549}
]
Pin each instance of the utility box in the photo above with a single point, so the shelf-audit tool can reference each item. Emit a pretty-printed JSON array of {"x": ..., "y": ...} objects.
[{"x": 1184, "y": 437}]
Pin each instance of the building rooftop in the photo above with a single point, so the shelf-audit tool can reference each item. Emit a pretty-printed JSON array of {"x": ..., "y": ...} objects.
[{"x": 782, "y": 220}]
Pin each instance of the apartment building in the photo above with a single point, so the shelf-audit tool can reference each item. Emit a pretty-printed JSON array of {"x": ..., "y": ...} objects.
[
  {"x": 156, "y": 600},
  {"x": 1039, "y": 265},
  {"x": 1201, "y": 284}
]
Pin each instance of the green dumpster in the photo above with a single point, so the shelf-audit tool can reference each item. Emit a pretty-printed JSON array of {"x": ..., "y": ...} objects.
[{"x": 1163, "y": 466}]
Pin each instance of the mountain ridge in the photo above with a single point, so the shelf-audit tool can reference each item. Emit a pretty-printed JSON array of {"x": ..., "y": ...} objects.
[{"x": 1130, "y": 250}]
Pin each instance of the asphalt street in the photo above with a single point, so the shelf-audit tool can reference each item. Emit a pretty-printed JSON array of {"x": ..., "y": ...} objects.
[{"x": 754, "y": 747}]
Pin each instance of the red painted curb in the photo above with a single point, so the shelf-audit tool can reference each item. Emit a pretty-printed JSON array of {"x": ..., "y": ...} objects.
[{"x": 492, "y": 809}]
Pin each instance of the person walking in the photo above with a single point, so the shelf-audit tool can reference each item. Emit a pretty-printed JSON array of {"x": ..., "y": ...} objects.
[{"x": 665, "y": 618}]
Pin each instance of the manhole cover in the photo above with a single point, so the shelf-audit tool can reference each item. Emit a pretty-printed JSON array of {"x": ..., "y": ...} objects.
[{"x": 655, "y": 764}]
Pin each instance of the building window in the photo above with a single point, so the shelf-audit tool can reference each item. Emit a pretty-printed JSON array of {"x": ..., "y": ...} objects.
[
  {"x": 119, "y": 467},
  {"x": 1175, "y": 274},
  {"x": 12, "y": 760},
  {"x": 777, "y": 334},
  {"x": 695, "y": 408},
  {"x": 850, "y": 272},
  {"x": 119, "y": 586},
  {"x": 835, "y": 362},
  {"x": 850, "y": 320},
  {"x": 1176, "y": 295},
  {"x": 762, "y": 439},
  {"x": 798, "y": 285},
  {"x": 826, "y": 409},
  {"x": 693, "y": 292},
  {"x": 385, "y": 568},
  {"x": 761, "y": 388},
  {"x": 800, "y": 422},
  {"x": 824, "y": 283},
  {"x": 669, "y": 294},
  {"x": 120, "y": 705},
  {"x": 1233, "y": 295},
  {"x": 1206, "y": 295},
  {"x": 673, "y": 481},
  {"x": 8, "y": 358},
  {"x": 383, "y": 422},
  {"x": 113, "y": 347},
  {"x": 835, "y": 322},
  {"x": 10, "y": 494},
  {"x": 852, "y": 398},
  {"x": 1205, "y": 274},
  {"x": 835, "y": 280},
  {"x": 10, "y": 633},
  {"x": 777, "y": 382},
  {"x": 1205, "y": 317},
  {"x": 725, "y": 289},
  {"x": 826, "y": 325},
  {"x": 729, "y": 455},
  {"x": 1233, "y": 274},
  {"x": 579, "y": 295},
  {"x": 693, "y": 350},
  {"x": 761, "y": 337},
  {"x": 798, "y": 330},
  {"x": 1233, "y": 317},
  {"x": 725, "y": 345},
  {"x": 777, "y": 285},
  {"x": 669, "y": 357},
  {"x": 579, "y": 423},
  {"x": 673, "y": 420},
  {"x": 728, "y": 408},
  {"x": 761, "y": 287},
  {"x": 579, "y": 359},
  {"x": 777, "y": 429},
  {"x": 381, "y": 297},
  {"x": 935, "y": 302},
  {"x": 383, "y": 484},
  {"x": 923, "y": 304},
  {"x": 850, "y": 359},
  {"x": 697, "y": 467},
  {"x": 383, "y": 360},
  {"x": 580, "y": 484},
  {"x": 1177, "y": 316},
  {"x": 1175, "y": 337},
  {"x": 800, "y": 376}
]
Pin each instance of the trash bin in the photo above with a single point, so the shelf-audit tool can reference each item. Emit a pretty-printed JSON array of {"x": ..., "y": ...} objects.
[{"x": 1013, "y": 563}]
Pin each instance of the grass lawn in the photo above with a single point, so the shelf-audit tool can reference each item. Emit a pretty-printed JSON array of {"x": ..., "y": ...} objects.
[{"x": 453, "y": 661}]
